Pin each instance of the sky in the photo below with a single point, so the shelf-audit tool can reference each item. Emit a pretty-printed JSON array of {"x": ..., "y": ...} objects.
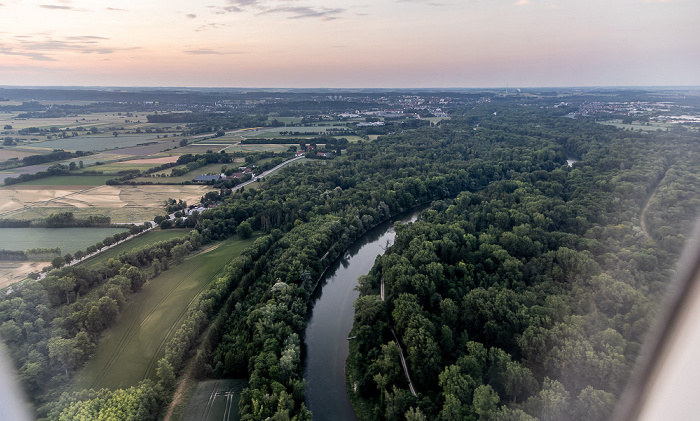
[{"x": 350, "y": 43}]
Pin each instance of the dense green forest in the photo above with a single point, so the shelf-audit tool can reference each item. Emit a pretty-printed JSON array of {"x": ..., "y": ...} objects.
[
  {"x": 530, "y": 298},
  {"x": 524, "y": 291}
]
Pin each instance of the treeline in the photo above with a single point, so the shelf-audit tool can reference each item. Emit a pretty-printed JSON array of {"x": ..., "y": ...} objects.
[
  {"x": 58, "y": 220},
  {"x": 108, "y": 241},
  {"x": 526, "y": 300},
  {"x": 41, "y": 253},
  {"x": 43, "y": 158},
  {"x": 55, "y": 169}
]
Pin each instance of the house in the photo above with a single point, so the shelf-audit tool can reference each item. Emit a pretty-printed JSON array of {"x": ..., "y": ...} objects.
[
  {"x": 299, "y": 153},
  {"x": 206, "y": 178}
]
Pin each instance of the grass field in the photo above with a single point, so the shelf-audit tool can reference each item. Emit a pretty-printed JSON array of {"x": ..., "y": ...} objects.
[
  {"x": 195, "y": 149},
  {"x": 68, "y": 180},
  {"x": 114, "y": 167},
  {"x": 69, "y": 240},
  {"x": 258, "y": 148},
  {"x": 207, "y": 169},
  {"x": 215, "y": 400},
  {"x": 142, "y": 240},
  {"x": 99, "y": 142},
  {"x": 130, "y": 350}
]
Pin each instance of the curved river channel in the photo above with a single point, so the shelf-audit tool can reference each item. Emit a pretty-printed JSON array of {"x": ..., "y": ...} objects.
[{"x": 331, "y": 320}]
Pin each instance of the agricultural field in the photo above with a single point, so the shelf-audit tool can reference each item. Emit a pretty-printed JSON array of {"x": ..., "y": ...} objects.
[
  {"x": 215, "y": 400},
  {"x": 69, "y": 240},
  {"x": 257, "y": 148},
  {"x": 195, "y": 148},
  {"x": 11, "y": 272},
  {"x": 207, "y": 169},
  {"x": 99, "y": 142},
  {"x": 131, "y": 348},
  {"x": 100, "y": 120},
  {"x": 68, "y": 180},
  {"x": 139, "y": 241},
  {"x": 19, "y": 153},
  {"x": 123, "y": 204}
]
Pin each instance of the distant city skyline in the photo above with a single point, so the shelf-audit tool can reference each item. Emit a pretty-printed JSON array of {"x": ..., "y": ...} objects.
[{"x": 350, "y": 44}]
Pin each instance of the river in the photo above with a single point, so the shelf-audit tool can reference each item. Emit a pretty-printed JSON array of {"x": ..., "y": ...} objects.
[{"x": 331, "y": 320}]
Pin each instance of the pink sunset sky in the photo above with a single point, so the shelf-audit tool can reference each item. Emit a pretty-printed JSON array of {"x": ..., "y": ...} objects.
[{"x": 352, "y": 43}]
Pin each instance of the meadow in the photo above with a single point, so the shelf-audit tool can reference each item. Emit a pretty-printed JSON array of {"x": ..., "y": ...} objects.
[
  {"x": 69, "y": 240},
  {"x": 130, "y": 350}
]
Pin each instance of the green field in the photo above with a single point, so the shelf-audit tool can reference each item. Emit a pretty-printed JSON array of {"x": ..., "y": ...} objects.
[
  {"x": 130, "y": 350},
  {"x": 142, "y": 240},
  {"x": 190, "y": 176},
  {"x": 215, "y": 400},
  {"x": 99, "y": 142},
  {"x": 115, "y": 167},
  {"x": 117, "y": 215},
  {"x": 69, "y": 240},
  {"x": 68, "y": 180}
]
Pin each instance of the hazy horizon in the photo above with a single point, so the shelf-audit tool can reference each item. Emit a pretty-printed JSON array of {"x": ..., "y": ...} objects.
[{"x": 333, "y": 44}]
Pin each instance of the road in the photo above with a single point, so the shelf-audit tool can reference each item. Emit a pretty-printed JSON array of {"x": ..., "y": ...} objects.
[
  {"x": 403, "y": 363},
  {"x": 266, "y": 173},
  {"x": 172, "y": 216}
]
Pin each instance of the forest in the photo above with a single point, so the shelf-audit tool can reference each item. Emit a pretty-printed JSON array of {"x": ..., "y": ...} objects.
[{"x": 524, "y": 291}]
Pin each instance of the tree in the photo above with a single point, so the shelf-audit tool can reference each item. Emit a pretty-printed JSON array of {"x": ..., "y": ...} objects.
[
  {"x": 485, "y": 401},
  {"x": 244, "y": 230},
  {"x": 58, "y": 261},
  {"x": 166, "y": 376},
  {"x": 65, "y": 351}
]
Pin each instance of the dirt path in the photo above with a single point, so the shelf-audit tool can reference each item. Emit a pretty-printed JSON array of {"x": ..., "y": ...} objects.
[
  {"x": 643, "y": 215},
  {"x": 180, "y": 391}
]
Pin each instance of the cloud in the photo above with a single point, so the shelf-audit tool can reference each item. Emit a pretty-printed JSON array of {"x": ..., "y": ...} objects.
[
  {"x": 114, "y": 9},
  {"x": 89, "y": 38},
  {"x": 7, "y": 51},
  {"x": 522, "y": 2},
  {"x": 432, "y": 3},
  {"x": 57, "y": 7},
  {"x": 263, "y": 7},
  {"x": 191, "y": 15},
  {"x": 302, "y": 12},
  {"x": 208, "y": 51},
  {"x": 208, "y": 26},
  {"x": 44, "y": 47}
]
